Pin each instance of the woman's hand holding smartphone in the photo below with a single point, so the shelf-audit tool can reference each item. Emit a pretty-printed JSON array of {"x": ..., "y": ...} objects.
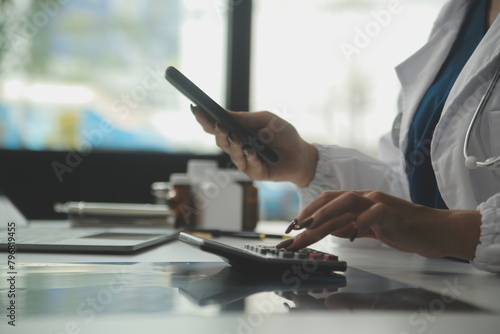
[{"x": 260, "y": 144}]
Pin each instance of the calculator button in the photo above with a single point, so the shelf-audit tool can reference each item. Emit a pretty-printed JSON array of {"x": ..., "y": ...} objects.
[
  {"x": 316, "y": 256},
  {"x": 301, "y": 255},
  {"x": 330, "y": 257},
  {"x": 286, "y": 255}
]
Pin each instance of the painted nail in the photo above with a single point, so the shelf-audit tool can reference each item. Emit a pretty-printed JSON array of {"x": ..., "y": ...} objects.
[
  {"x": 354, "y": 234},
  {"x": 247, "y": 151},
  {"x": 308, "y": 221},
  {"x": 291, "y": 226},
  {"x": 284, "y": 244}
]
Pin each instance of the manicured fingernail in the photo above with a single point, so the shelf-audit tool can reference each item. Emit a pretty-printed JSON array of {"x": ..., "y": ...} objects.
[
  {"x": 230, "y": 138},
  {"x": 248, "y": 152},
  {"x": 284, "y": 244},
  {"x": 305, "y": 223},
  {"x": 354, "y": 234},
  {"x": 291, "y": 226},
  {"x": 216, "y": 128}
]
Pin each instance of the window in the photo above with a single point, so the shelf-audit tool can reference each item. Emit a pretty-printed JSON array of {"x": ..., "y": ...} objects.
[
  {"x": 88, "y": 75},
  {"x": 328, "y": 65}
]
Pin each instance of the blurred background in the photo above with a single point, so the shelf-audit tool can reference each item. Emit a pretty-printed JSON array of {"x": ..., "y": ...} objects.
[{"x": 85, "y": 113}]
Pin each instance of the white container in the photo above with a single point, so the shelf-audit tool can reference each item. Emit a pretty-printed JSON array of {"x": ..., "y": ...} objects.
[
  {"x": 196, "y": 169},
  {"x": 220, "y": 201}
]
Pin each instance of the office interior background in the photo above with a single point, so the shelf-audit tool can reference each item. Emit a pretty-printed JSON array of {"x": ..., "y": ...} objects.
[{"x": 85, "y": 113}]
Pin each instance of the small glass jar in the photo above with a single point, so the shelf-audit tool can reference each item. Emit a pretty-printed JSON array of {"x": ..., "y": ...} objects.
[{"x": 160, "y": 190}]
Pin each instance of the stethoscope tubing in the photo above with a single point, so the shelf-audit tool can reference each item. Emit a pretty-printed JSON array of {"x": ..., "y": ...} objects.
[{"x": 493, "y": 161}]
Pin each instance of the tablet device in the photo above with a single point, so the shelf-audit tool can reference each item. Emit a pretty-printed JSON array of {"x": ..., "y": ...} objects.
[
  {"x": 219, "y": 114},
  {"x": 17, "y": 234}
]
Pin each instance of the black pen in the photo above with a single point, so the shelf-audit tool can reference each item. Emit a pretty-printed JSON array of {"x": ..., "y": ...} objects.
[{"x": 210, "y": 233}]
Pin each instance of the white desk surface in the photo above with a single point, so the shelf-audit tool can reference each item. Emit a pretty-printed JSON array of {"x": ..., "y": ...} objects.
[{"x": 470, "y": 285}]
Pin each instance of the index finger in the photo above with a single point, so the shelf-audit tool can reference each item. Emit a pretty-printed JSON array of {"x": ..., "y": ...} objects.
[
  {"x": 201, "y": 116},
  {"x": 309, "y": 237},
  {"x": 320, "y": 202}
]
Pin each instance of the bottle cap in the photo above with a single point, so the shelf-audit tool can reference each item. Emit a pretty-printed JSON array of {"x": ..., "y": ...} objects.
[
  {"x": 180, "y": 179},
  {"x": 196, "y": 168},
  {"x": 238, "y": 176}
]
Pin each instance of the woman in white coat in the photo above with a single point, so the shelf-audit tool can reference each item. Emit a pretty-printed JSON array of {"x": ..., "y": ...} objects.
[{"x": 422, "y": 197}]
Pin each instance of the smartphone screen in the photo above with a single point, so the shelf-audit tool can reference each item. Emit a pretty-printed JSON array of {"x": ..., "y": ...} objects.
[{"x": 219, "y": 114}]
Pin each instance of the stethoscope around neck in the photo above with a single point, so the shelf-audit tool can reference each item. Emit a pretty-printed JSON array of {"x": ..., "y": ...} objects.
[{"x": 471, "y": 161}]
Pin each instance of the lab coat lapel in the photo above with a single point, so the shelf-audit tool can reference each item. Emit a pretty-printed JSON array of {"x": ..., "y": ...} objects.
[
  {"x": 478, "y": 70},
  {"x": 417, "y": 72},
  {"x": 476, "y": 185}
]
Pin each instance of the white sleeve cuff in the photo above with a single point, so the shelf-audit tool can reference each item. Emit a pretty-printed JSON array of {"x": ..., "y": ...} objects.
[
  {"x": 341, "y": 168},
  {"x": 487, "y": 255},
  {"x": 323, "y": 178}
]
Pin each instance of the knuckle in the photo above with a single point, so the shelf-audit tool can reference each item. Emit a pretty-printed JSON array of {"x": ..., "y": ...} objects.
[
  {"x": 380, "y": 209},
  {"x": 351, "y": 197},
  {"x": 326, "y": 194},
  {"x": 207, "y": 128},
  {"x": 375, "y": 196},
  {"x": 222, "y": 145}
]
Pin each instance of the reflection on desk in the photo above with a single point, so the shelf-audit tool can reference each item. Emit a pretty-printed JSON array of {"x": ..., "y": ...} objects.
[
  {"x": 89, "y": 290},
  {"x": 354, "y": 290}
]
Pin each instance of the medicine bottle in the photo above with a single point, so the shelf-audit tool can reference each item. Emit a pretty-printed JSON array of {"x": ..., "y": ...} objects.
[
  {"x": 250, "y": 198},
  {"x": 250, "y": 205},
  {"x": 181, "y": 201}
]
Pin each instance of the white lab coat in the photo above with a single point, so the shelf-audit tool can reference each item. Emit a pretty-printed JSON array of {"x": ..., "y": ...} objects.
[{"x": 461, "y": 188}]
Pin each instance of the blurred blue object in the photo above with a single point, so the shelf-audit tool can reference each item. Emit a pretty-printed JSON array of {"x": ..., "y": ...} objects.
[
  {"x": 10, "y": 137},
  {"x": 142, "y": 138},
  {"x": 277, "y": 200}
]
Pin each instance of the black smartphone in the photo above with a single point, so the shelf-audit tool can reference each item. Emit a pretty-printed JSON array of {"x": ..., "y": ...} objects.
[{"x": 219, "y": 114}]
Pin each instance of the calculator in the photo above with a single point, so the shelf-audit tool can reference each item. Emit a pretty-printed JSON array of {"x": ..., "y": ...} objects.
[{"x": 267, "y": 259}]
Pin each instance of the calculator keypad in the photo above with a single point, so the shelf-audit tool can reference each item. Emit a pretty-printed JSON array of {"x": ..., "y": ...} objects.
[{"x": 305, "y": 253}]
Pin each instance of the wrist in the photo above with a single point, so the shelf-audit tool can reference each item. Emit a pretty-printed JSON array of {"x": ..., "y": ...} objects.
[
  {"x": 310, "y": 160},
  {"x": 463, "y": 229}
]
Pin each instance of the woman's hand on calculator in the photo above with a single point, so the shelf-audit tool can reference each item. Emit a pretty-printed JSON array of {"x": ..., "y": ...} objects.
[{"x": 397, "y": 223}]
